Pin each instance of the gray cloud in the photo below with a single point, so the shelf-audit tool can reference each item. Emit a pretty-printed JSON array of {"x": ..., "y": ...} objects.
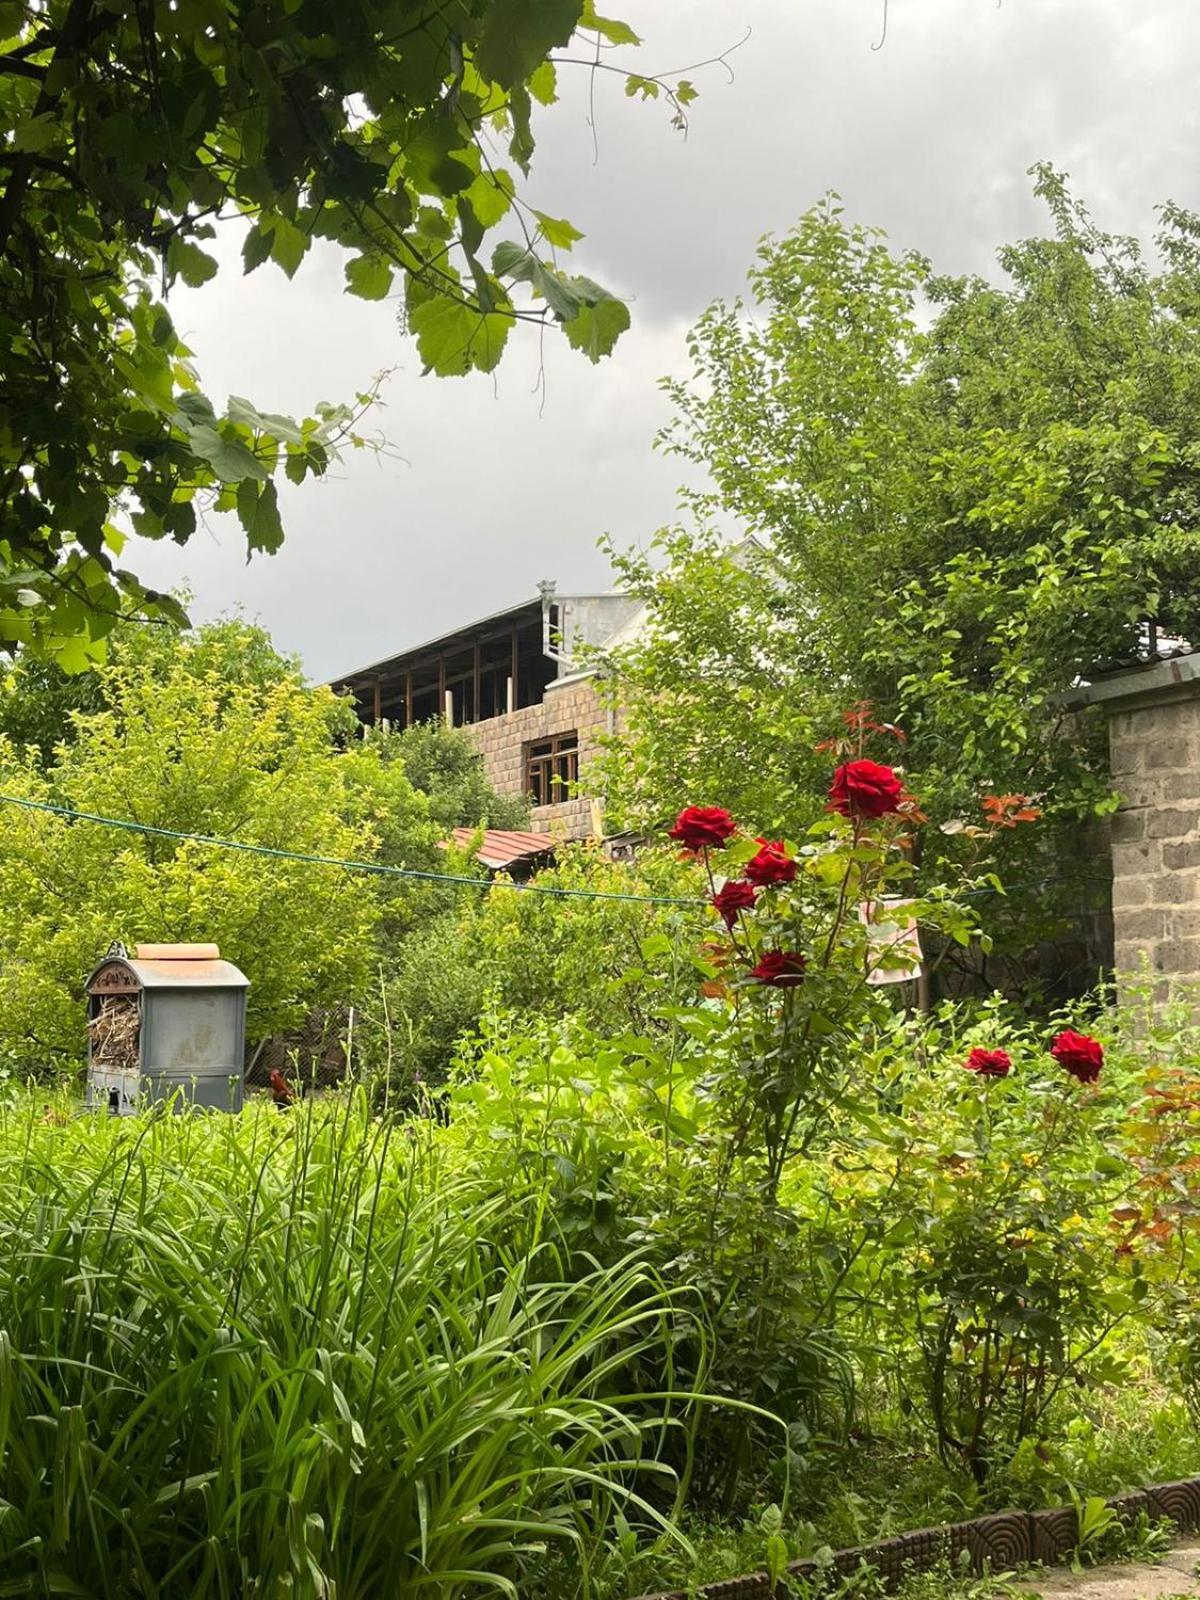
[{"x": 928, "y": 137}]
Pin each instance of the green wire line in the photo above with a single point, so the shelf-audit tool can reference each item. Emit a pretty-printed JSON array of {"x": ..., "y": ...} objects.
[
  {"x": 376, "y": 867},
  {"x": 379, "y": 869}
]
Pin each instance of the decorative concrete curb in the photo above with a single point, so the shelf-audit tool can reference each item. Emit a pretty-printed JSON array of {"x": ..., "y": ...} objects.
[{"x": 1004, "y": 1540}]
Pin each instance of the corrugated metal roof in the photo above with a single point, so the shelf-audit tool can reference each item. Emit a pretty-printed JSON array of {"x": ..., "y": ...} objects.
[
  {"x": 502, "y": 847},
  {"x": 529, "y": 609}
]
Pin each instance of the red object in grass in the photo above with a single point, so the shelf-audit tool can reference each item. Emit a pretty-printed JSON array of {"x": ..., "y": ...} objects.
[{"x": 281, "y": 1090}]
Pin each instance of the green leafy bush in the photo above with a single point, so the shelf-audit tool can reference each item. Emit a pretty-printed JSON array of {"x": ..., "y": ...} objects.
[
  {"x": 444, "y": 764},
  {"x": 585, "y": 945},
  {"x": 987, "y": 1202}
]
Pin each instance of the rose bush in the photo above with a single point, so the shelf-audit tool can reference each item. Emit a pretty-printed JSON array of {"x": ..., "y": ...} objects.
[
  {"x": 960, "y": 1227},
  {"x": 995, "y": 1266}
]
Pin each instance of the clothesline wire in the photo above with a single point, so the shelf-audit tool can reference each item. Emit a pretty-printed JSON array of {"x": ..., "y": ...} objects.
[{"x": 414, "y": 874}]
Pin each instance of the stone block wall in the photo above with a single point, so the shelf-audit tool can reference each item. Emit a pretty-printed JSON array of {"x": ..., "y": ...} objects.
[
  {"x": 502, "y": 742},
  {"x": 1155, "y": 756}
]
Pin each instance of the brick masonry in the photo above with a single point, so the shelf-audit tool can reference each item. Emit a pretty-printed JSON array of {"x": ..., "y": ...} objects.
[
  {"x": 1155, "y": 756},
  {"x": 502, "y": 742}
]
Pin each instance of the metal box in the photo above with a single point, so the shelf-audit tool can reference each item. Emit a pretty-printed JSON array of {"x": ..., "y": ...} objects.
[{"x": 169, "y": 1020}]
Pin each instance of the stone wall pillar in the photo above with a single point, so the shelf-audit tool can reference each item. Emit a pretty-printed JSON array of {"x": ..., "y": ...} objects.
[{"x": 1154, "y": 746}]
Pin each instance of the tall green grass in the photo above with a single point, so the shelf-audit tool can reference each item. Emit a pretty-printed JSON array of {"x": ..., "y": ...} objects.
[{"x": 300, "y": 1355}]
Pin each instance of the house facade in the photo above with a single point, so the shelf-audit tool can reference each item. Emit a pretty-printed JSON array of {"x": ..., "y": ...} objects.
[{"x": 524, "y": 683}]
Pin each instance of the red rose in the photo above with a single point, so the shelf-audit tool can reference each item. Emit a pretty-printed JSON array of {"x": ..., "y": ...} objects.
[
  {"x": 780, "y": 969},
  {"x": 703, "y": 827},
  {"x": 1080, "y": 1054},
  {"x": 733, "y": 897},
  {"x": 865, "y": 789},
  {"x": 989, "y": 1063},
  {"x": 771, "y": 864}
]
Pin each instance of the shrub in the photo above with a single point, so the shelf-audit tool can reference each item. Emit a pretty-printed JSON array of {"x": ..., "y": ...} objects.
[
  {"x": 986, "y": 1199},
  {"x": 584, "y": 945}
]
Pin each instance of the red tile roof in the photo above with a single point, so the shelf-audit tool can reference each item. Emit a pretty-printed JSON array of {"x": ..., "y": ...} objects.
[{"x": 501, "y": 847}]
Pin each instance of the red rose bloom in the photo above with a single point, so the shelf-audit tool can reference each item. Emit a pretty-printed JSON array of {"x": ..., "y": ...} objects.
[
  {"x": 771, "y": 864},
  {"x": 989, "y": 1063},
  {"x": 703, "y": 827},
  {"x": 780, "y": 969},
  {"x": 733, "y": 897},
  {"x": 1080, "y": 1054},
  {"x": 865, "y": 789}
]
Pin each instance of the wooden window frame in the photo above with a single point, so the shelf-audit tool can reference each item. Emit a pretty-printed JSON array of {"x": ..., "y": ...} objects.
[{"x": 552, "y": 767}]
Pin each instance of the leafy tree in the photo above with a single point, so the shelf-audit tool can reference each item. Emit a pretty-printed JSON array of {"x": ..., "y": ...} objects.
[
  {"x": 964, "y": 515},
  {"x": 193, "y": 752},
  {"x": 38, "y": 698},
  {"x": 725, "y": 694},
  {"x": 126, "y": 133},
  {"x": 443, "y": 763}
]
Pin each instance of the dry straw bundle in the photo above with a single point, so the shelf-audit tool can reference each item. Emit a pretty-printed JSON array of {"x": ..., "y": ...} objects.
[{"x": 114, "y": 1031}]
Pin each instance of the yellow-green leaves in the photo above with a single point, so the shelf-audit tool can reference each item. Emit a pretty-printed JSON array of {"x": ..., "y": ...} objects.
[
  {"x": 191, "y": 263},
  {"x": 597, "y": 325},
  {"x": 369, "y": 277},
  {"x": 591, "y": 317}
]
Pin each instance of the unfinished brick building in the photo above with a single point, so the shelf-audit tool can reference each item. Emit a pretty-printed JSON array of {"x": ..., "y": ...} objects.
[{"x": 522, "y": 681}]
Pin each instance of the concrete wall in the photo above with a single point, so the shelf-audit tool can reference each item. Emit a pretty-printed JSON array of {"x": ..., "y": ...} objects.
[
  {"x": 594, "y": 619},
  {"x": 502, "y": 742},
  {"x": 1155, "y": 754}
]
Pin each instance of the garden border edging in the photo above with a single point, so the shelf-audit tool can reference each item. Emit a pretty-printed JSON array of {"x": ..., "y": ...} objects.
[{"x": 1000, "y": 1541}]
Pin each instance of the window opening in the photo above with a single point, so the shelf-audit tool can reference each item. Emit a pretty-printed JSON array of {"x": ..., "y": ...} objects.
[{"x": 551, "y": 767}]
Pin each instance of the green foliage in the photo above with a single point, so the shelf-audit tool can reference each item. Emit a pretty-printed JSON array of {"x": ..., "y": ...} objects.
[
  {"x": 196, "y": 749},
  {"x": 724, "y": 697},
  {"x": 444, "y": 764},
  {"x": 585, "y": 954},
  {"x": 306, "y": 1355},
  {"x": 870, "y": 1226},
  {"x": 37, "y": 698},
  {"x": 429, "y": 995},
  {"x": 963, "y": 517},
  {"x": 504, "y": 956},
  {"x": 127, "y": 136}
]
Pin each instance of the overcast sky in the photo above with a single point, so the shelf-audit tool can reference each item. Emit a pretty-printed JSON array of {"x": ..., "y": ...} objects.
[{"x": 499, "y": 486}]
